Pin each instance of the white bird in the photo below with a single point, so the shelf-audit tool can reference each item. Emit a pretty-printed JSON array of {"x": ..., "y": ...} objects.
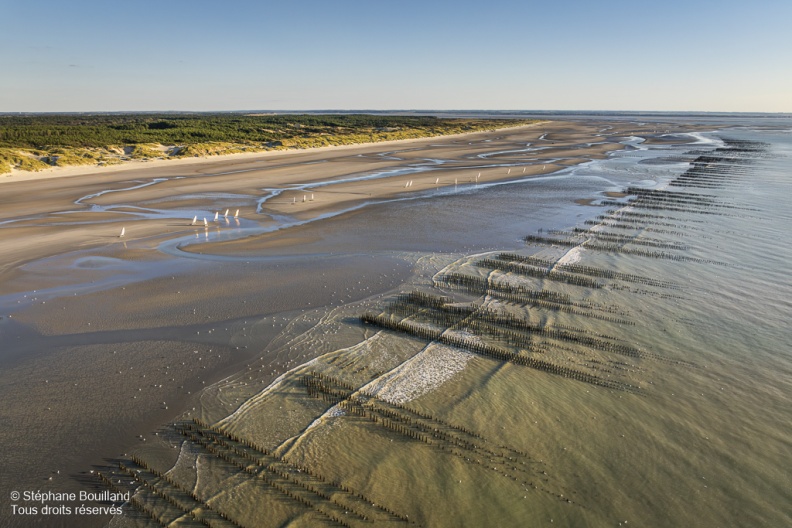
[
  {"x": 236, "y": 215},
  {"x": 123, "y": 230},
  {"x": 195, "y": 220},
  {"x": 226, "y": 214},
  {"x": 217, "y": 215}
]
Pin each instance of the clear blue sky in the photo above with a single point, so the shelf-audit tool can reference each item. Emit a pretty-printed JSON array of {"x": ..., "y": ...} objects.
[{"x": 91, "y": 55}]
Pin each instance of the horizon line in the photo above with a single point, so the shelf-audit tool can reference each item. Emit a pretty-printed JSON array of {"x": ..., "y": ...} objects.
[{"x": 393, "y": 111}]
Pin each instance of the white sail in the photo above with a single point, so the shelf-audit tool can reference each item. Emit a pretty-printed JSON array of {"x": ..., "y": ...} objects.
[{"x": 123, "y": 231}]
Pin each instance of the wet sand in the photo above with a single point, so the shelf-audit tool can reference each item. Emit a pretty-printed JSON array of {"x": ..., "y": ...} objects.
[
  {"x": 36, "y": 224},
  {"x": 108, "y": 338}
]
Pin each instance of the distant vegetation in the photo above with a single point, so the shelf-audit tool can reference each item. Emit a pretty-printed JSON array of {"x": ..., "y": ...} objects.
[{"x": 36, "y": 142}]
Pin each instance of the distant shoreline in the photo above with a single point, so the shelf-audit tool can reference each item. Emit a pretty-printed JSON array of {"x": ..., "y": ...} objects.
[
  {"x": 17, "y": 175},
  {"x": 51, "y": 144}
]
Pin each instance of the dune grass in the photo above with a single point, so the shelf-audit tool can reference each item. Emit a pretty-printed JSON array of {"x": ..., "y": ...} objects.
[{"x": 35, "y": 142}]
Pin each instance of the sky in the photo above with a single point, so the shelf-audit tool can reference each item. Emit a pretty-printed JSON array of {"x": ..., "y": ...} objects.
[{"x": 196, "y": 55}]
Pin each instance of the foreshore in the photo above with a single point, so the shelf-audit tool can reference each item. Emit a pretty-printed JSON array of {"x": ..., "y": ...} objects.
[
  {"x": 109, "y": 336},
  {"x": 88, "y": 207},
  {"x": 17, "y": 175}
]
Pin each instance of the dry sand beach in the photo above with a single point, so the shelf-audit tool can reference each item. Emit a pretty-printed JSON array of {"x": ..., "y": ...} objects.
[{"x": 108, "y": 339}]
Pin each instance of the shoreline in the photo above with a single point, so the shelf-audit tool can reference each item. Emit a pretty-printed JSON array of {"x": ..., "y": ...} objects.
[
  {"x": 17, "y": 175},
  {"x": 96, "y": 216}
]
